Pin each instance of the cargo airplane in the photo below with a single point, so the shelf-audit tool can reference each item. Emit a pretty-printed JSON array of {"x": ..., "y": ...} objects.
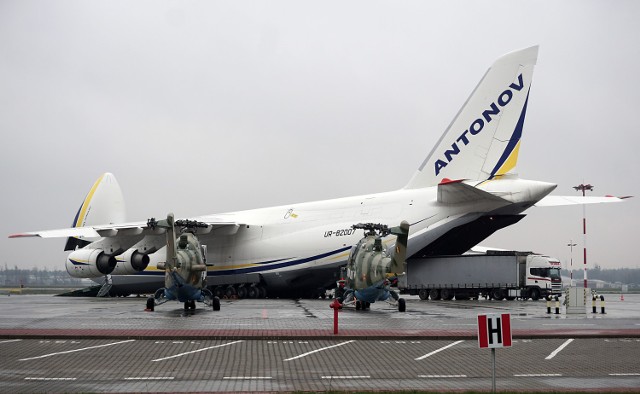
[{"x": 464, "y": 191}]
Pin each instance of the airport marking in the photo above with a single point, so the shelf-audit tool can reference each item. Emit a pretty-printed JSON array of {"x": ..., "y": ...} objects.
[
  {"x": 49, "y": 378},
  {"x": 441, "y": 376},
  {"x": 559, "y": 349},
  {"x": 318, "y": 350},
  {"x": 536, "y": 375},
  {"x": 346, "y": 377},
  {"x": 11, "y": 340},
  {"x": 150, "y": 378},
  {"x": 247, "y": 377},
  {"x": 76, "y": 350},
  {"x": 196, "y": 351},
  {"x": 439, "y": 350},
  {"x": 625, "y": 374}
]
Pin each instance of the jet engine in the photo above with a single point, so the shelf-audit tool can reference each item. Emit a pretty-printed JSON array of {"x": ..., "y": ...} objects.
[
  {"x": 90, "y": 263},
  {"x": 131, "y": 262}
]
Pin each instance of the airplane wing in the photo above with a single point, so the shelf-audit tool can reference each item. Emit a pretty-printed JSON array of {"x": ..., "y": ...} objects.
[
  {"x": 133, "y": 228},
  {"x": 556, "y": 201}
]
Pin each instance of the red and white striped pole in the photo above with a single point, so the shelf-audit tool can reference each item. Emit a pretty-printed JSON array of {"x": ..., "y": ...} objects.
[{"x": 584, "y": 188}]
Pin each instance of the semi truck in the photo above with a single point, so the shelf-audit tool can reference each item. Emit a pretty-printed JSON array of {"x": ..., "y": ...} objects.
[{"x": 494, "y": 274}]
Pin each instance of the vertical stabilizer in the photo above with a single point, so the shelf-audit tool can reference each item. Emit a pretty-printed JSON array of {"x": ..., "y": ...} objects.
[
  {"x": 104, "y": 204},
  {"x": 483, "y": 140}
]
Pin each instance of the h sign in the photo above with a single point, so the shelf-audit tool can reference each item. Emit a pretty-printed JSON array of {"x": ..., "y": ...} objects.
[{"x": 494, "y": 330}]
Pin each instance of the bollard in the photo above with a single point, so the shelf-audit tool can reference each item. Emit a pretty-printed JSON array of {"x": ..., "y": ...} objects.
[
  {"x": 557, "y": 306},
  {"x": 548, "y": 304},
  {"x": 602, "y": 304},
  {"x": 336, "y": 305},
  {"x": 593, "y": 304}
]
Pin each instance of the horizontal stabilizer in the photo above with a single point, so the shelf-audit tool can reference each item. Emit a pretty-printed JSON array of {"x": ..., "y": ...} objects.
[
  {"x": 557, "y": 201},
  {"x": 458, "y": 192},
  {"x": 83, "y": 232}
]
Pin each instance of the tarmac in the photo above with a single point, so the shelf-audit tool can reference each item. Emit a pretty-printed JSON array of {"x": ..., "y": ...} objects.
[
  {"x": 64, "y": 344},
  {"x": 45, "y": 316}
]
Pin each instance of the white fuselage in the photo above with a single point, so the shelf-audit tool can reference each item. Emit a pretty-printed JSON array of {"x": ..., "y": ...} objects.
[{"x": 286, "y": 244}]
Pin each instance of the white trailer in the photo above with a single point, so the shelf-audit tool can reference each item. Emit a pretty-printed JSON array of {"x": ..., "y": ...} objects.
[{"x": 495, "y": 274}]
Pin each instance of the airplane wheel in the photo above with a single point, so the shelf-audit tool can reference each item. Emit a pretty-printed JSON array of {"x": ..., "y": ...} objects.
[
  {"x": 216, "y": 303},
  {"x": 253, "y": 292},
  {"x": 263, "y": 292},
  {"x": 218, "y": 291},
  {"x": 186, "y": 305},
  {"x": 358, "y": 305},
  {"x": 150, "y": 304},
  {"x": 434, "y": 294},
  {"x": 230, "y": 292},
  {"x": 423, "y": 294},
  {"x": 242, "y": 292},
  {"x": 193, "y": 304},
  {"x": 402, "y": 305},
  {"x": 366, "y": 305}
]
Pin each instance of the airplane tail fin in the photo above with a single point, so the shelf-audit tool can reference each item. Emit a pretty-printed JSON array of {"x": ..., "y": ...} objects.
[
  {"x": 104, "y": 204},
  {"x": 483, "y": 140}
]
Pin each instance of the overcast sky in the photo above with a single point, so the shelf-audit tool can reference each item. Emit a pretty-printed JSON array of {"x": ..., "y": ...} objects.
[{"x": 201, "y": 107}]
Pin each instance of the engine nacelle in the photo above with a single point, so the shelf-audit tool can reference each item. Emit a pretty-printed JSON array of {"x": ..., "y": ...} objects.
[
  {"x": 90, "y": 263},
  {"x": 131, "y": 262}
]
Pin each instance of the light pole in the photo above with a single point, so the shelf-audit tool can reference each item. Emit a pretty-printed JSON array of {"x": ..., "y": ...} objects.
[
  {"x": 571, "y": 245},
  {"x": 583, "y": 188}
]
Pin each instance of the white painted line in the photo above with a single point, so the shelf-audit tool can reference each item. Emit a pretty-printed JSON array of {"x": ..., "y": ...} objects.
[
  {"x": 50, "y": 378},
  {"x": 439, "y": 350},
  {"x": 196, "y": 351},
  {"x": 11, "y": 340},
  {"x": 441, "y": 376},
  {"x": 346, "y": 377},
  {"x": 559, "y": 349},
  {"x": 318, "y": 350},
  {"x": 151, "y": 378},
  {"x": 76, "y": 350},
  {"x": 536, "y": 375},
  {"x": 246, "y": 377},
  {"x": 625, "y": 374},
  {"x": 569, "y": 324}
]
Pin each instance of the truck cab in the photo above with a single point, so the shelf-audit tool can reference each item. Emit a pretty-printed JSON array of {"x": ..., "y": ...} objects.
[{"x": 542, "y": 276}]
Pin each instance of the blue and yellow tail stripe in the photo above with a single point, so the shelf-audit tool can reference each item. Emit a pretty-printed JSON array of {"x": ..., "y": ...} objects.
[
  {"x": 509, "y": 157},
  {"x": 82, "y": 211}
]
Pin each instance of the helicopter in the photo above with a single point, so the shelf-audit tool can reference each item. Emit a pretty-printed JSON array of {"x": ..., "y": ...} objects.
[
  {"x": 185, "y": 266},
  {"x": 371, "y": 270}
]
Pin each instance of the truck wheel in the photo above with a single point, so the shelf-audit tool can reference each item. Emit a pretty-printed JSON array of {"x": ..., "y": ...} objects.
[
  {"x": 402, "y": 305},
  {"x": 150, "y": 304},
  {"x": 535, "y": 294},
  {"x": 447, "y": 294},
  {"x": 497, "y": 294},
  {"x": 423, "y": 294},
  {"x": 434, "y": 294},
  {"x": 216, "y": 303}
]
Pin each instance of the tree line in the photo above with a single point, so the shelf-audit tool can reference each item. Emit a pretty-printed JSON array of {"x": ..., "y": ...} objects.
[
  {"x": 17, "y": 277},
  {"x": 630, "y": 276}
]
